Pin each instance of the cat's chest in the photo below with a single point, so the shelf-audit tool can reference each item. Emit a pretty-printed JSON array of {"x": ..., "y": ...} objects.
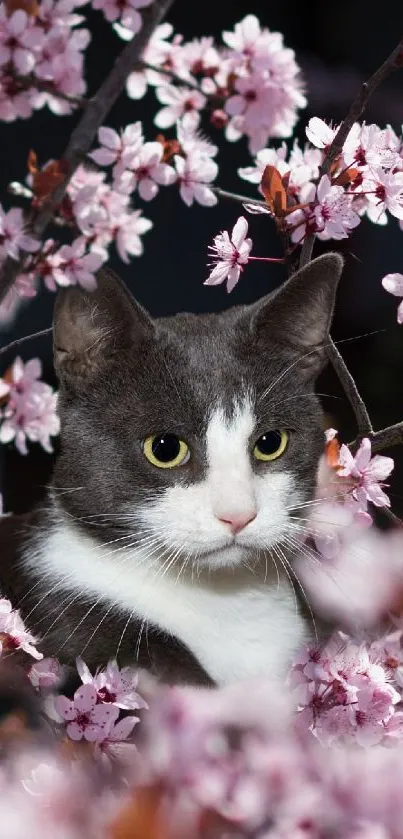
[{"x": 237, "y": 629}]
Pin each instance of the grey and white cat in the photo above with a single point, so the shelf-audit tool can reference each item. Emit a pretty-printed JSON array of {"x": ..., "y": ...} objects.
[{"x": 189, "y": 449}]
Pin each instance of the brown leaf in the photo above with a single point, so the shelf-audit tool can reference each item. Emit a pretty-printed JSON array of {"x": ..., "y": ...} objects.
[
  {"x": 332, "y": 450},
  {"x": 274, "y": 191},
  {"x": 141, "y": 818},
  {"x": 171, "y": 147},
  {"x": 32, "y": 162},
  {"x": 31, "y": 7},
  {"x": 45, "y": 181},
  {"x": 347, "y": 177}
]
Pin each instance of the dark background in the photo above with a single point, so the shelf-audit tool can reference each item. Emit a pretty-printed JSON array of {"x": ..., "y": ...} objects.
[{"x": 337, "y": 47}]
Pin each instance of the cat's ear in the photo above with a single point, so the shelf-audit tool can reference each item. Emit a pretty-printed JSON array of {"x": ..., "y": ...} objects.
[
  {"x": 92, "y": 329},
  {"x": 299, "y": 313}
]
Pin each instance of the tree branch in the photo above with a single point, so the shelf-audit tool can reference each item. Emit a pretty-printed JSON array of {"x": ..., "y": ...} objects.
[
  {"x": 390, "y": 436},
  {"x": 392, "y": 63},
  {"x": 84, "y": 133},
  {"x": 350, "y": 388}
]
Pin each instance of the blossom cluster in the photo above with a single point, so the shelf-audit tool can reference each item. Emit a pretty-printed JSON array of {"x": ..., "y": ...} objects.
[
  {"x": 251, "y": 86},
  {"x": 41, "y": 57},
  {"x": 93, "y": 712},
  {"x": 349, "y": 692},
  {"x": 29, "y": 407}
]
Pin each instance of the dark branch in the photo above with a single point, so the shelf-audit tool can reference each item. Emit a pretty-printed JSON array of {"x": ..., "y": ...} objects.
[
  {"x": 392, "y": 63},
  {"x": 350, "y": 388},
  {"x": 390, "y": 436},
  {"x": 84, "y": 133}
]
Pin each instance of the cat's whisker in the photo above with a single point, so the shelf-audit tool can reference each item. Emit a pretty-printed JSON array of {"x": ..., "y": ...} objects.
[{"x": 301, "y": 587}]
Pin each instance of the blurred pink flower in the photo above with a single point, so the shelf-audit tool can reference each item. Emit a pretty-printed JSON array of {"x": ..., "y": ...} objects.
[
  {"x": 30, "y": 412},
  {"x": 47, "y": 673},
  {"x": 124, "y": 10},
  {"x": 394, "y": 284},
  {"x": 13, "y": 237}
]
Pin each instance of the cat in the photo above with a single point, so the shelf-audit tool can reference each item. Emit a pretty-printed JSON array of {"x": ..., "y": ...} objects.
[{"x": 189, "y": 452}]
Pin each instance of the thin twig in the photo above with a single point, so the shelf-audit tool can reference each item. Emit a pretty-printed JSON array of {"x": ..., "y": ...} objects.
[
  {"x": 390, "y": 436},
  {"x": 392, "y": 63},
  {"x": 84, "y": 134},
  {"x": 350, "y": 388},
  {"x": 190, "y": 83},
  {"x": 233, "y": 196},
  {"x": 19, "y": 341},
  {"x": 32, "y": 82}
]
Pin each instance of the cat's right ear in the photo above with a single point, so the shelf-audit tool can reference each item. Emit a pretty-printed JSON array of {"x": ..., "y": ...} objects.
[{"x": 93, "y": 329}]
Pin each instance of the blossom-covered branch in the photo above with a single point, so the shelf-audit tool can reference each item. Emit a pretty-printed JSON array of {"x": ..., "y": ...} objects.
[
  {"x": 83, "y": 135},
  {"x": 392, "y": 63}
]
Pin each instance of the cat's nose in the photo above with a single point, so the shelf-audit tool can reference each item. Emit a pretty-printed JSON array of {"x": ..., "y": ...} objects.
[{"x": 239, "y": 520}]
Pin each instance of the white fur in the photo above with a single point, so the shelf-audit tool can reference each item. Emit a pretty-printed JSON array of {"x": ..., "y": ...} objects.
[
  {"x": 238, "y": 621},
  {"x": 188, "y": 518},
  {"x": 237, "y": 626}
]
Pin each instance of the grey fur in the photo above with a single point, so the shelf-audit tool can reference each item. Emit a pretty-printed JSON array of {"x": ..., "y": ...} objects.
[{"x": 124, "y": 376}]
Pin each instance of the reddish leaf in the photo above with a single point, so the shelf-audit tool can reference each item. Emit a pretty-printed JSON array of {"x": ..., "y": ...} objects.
[
  {"x": 31, "y": 7},
  {"x": 273, "y": 190},
  {"x": 171, "y": 147},
  {"x": 48, "y": 179},
  {"x": 32, "y": 162},
  {"x": 347, "y": 177},
  {"x": 141, "y": 818},
  {"x": 332, "y": 450}
]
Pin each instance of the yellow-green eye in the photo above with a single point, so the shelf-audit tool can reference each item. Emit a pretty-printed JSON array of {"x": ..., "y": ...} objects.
[
  {"x": 166, "y": 451},
  {"x": 271, "y": 445}
]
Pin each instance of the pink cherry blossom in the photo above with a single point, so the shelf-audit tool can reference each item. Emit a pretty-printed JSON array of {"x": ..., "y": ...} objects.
[
  {"x": 47, "y": 673},
  {"x": 30, "y": 413},
  {"x": 71, "y": 265},
  {"x": 319, "y": 133},
  {"x": 178, "y": 101},
  {"x": 145, "y": 171},
  {"x": 114, "y": 685},
  {"x": 85, "y": 717},
  {"x": 384, "y": 189},
  {"x": 195, "y": 173},
  {"x": 117, "y": 148},
  {"x": 13, "y": 237},
  {"x": 124, "y": 10},
  {"x": 19, "y": 40},
  {"x": 230, "y": 255},
  {"x": 394, "y": 284},
  {"x": 158, "y": 52},
  {"x": 367, "y": 474},
  {"x": 191, "y": 138},
  {"x": 128, "y": 234},
  {"x": 115, "y": 748},
  {"x": 330, "y": 214},
  {"x": 17, "y": 636}
]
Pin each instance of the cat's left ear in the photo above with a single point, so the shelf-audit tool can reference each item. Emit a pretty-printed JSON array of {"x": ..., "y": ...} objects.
[{"x": 299, "y": 314}]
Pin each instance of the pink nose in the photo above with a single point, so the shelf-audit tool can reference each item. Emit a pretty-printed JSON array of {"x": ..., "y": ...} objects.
[{"x": 238, "y": 521}]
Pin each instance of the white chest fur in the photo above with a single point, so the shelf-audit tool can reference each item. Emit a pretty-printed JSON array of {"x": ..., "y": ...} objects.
[{"x": 236, "y": 625}]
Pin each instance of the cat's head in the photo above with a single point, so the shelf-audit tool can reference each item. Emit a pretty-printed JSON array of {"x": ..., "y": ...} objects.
[{"x": 196, "y": 436}]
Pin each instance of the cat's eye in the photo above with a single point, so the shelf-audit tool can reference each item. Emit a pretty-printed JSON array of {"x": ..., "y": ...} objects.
[
  {"x": 166, "y": 451},
  {"x": 271, "y": 445}
]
